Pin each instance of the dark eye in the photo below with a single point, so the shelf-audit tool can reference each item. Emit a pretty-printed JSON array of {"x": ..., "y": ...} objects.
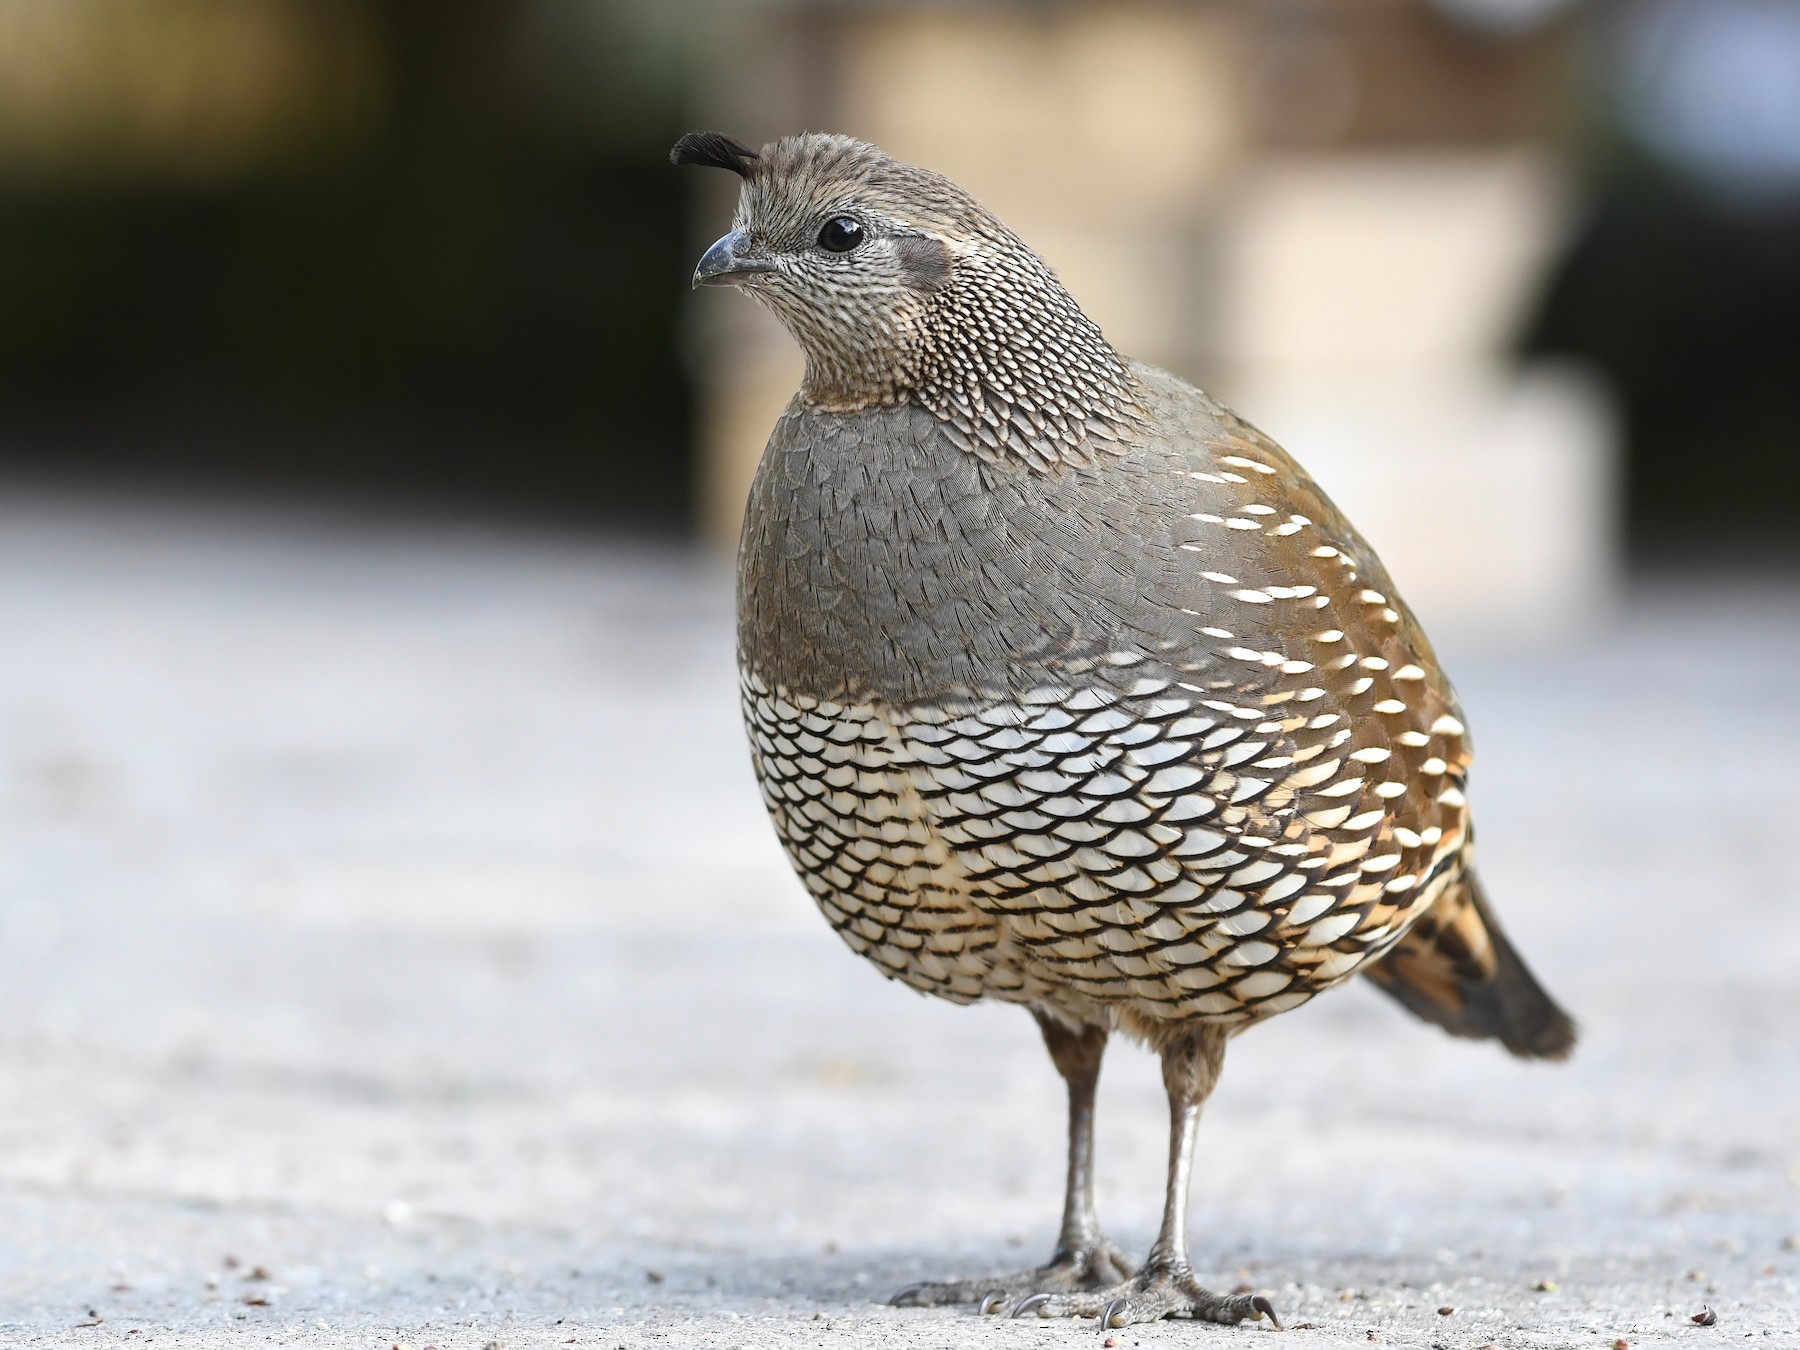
[{"x": 841, "y": 234}]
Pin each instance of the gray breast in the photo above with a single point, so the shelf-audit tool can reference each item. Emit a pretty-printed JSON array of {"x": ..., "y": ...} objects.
[{"x": 880, "y": 559}]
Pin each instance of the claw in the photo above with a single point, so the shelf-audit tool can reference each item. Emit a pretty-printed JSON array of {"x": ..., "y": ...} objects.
[
  {"x": 994, "y": 1301},
  {"x": 1264, "y": 1308},
  {"x": 1033, "y": 1304},
  {"x": 1119, "y": 1308},
  {"x": 905, "y": 1298}
]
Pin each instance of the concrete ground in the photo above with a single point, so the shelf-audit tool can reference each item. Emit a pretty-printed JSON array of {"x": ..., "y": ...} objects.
[{"x": 393, "y": 950}]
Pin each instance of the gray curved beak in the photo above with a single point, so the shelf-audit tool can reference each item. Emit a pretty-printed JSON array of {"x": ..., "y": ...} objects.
[{"x": 724, "y": 264}]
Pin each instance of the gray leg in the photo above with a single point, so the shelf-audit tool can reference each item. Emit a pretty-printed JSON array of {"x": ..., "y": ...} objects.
[
  {"x": 1166, "y": 1286},
  {"x": 1084, "y": 1258}
]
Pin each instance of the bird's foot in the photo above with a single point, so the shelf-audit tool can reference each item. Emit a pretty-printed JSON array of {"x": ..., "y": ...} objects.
[
  {"x": 1100, "y": 1265},
  {"x": 1149, "y": 1296}
]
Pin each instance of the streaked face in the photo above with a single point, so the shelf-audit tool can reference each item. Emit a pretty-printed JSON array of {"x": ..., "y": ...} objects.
[{"x": 847, "y": 251}]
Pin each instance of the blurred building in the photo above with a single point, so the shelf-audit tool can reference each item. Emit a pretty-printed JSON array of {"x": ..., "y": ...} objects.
[{"x": 1332, "y": 213}]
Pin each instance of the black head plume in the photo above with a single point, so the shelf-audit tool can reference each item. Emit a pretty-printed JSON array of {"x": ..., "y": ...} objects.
[{"x": 714, "y": 149}]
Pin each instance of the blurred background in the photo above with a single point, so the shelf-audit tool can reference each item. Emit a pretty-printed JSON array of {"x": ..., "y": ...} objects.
[
  {"x": 1499, "y": 268},
  {"x": 426, "y": 252},
  {"x": 385, "y": 904}
]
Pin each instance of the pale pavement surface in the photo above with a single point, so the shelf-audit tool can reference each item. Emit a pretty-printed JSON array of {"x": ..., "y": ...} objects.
[{"x": 392, "y": 948}]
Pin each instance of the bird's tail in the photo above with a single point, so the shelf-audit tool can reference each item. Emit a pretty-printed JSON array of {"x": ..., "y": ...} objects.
[{"x": 1455, "y": 968}]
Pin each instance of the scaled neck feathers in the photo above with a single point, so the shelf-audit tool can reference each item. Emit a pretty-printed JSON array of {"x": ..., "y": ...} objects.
[{"x": 1003, "y": 356}]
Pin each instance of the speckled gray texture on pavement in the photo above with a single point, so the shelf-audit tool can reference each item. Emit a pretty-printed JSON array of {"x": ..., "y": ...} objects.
[{"x": 393, "y": 948}]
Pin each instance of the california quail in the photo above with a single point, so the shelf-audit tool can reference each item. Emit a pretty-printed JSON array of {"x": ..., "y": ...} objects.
[{"x": 1066, "y": 686}]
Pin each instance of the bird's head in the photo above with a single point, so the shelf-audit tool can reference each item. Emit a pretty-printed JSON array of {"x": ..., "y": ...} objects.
[
  {"x": 898, "y": 284},
  {"x": 846, "y": 245}
]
